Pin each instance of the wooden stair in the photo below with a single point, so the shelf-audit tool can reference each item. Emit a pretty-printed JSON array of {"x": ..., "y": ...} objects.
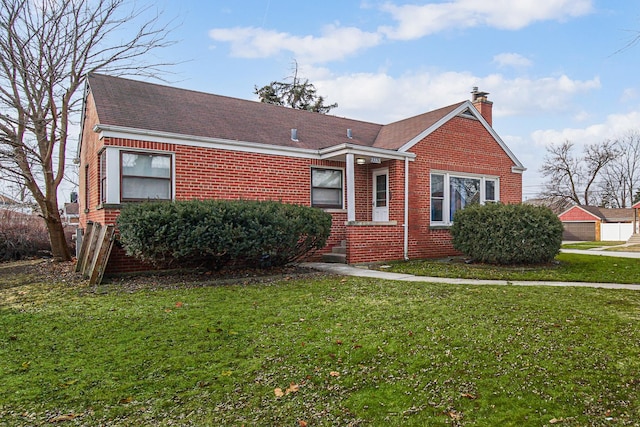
[{"x": 338, "y": 254}]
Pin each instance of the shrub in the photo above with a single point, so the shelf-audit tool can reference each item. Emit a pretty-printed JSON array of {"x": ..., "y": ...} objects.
[
  {"x": 213, "y": 233},
  {"x": 507, "y": 234},
  {"x": 22, "y": 236}
]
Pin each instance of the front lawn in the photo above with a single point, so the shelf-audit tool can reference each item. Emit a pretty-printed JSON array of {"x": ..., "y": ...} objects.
[
  {"x": 590, "y": 245},
  {"x": 567, "y": 268},
  {"x": 317, "y": 351}
]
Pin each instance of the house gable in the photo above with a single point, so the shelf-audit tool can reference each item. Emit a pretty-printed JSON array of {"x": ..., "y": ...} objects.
[
  {"x": 467, "y": 110},
  {"x": 578, "y": 213}
]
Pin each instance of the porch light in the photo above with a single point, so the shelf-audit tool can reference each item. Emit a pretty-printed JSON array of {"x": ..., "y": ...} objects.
[{"x": 361, "y": 160}]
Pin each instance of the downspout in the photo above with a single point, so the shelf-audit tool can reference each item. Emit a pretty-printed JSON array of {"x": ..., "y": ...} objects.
[{"x": 406, "y": 208}]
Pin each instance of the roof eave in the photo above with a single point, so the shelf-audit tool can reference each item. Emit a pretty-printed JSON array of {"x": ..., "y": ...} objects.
[{"x": 466, "y": 105}]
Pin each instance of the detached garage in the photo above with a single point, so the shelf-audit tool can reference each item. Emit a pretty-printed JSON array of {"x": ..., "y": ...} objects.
[{"x": 592, "y": 223}]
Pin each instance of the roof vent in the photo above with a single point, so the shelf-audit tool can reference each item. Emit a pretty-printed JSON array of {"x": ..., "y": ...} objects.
[
  {"x": 294, "y": 134},
  {"x": 349, "y": 134}
]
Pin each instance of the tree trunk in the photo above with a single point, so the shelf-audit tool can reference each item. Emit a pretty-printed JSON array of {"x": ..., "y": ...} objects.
[{"x": 57, "y": 238}]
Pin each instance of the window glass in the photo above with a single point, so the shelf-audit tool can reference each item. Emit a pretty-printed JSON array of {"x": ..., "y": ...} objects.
[
  {"x": 490, "y": 190},
  {"x": 326, "y": 188},
  {"x": 326, "y": 178},
  {"x": 103, "y": 176},
  {"x": 143, "y": 188},
  {"x": 381, "y": 191},
  {"x": 462, "y": 192},
  {"x": 437, "y": 197},
  {"x": 149, "y": 165},
  {"x": 451, "y": 193},
  {"x": 145, "y": 176}
]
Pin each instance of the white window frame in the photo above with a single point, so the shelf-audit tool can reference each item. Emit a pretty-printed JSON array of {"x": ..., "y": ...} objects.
[
  {"x": 446, "y": 208},
  {"x": 113, "y": 172},
  {"x": 342, "y": 189}
]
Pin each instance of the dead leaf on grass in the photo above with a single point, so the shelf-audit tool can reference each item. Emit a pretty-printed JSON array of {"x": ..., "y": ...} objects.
[
  {"x": 454, "y": 415},
  {"x": 334, "y": 374},
  {"x": 293, "y": 387},
  {"x": 469, "y": 396},
  {"x": 555, "y": 420},
  {"x": 178, "y": 304},
  {"x": 65, "y": 417},
  {"x": 302, "y": 423}
]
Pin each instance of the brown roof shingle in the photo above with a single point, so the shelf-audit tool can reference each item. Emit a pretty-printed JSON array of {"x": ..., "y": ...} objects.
[
  {"x": 610, "y": 214},
  {"x": 143, "y": 105}
]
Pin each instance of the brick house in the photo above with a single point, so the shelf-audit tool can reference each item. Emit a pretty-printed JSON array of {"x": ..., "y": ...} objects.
[{"x": 391, "y": 189}]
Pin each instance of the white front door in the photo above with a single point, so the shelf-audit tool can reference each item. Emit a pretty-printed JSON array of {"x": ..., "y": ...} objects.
[{"x": 380, "y": 195}]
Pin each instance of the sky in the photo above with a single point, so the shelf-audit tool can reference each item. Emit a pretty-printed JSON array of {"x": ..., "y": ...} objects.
[{"x": 556, "y": 70}]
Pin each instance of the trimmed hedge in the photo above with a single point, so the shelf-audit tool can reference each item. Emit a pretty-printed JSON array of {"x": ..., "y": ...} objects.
[
  {"x": 507, "y": 234},
  {"x": 212, "y": 233}
]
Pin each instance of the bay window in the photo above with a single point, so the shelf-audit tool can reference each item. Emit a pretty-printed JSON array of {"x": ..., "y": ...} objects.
[
  {"x": 145, "y": 176},
  {"x": 452, "y": 192}
]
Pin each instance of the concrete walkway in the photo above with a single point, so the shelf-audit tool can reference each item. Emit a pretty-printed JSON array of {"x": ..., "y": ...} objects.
[{"x": 349, "y": 270}]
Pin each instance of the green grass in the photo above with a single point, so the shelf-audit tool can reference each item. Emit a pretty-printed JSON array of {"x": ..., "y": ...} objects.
[
  {"x": 343, "y": 351},
  {"x": 567, "y": 268},
  {"x": 590, "y": 245}
]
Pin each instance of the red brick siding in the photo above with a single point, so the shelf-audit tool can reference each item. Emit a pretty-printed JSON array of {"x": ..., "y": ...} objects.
[
  {"x": 577, "y": 214},
  {"x": 460, "y": 145},
  {"x": 371, "y": 243}
]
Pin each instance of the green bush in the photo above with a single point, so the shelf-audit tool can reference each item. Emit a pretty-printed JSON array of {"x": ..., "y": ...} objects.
[
  {"x": 213, "y": 233},
  {"x": 507, "y": 234}
]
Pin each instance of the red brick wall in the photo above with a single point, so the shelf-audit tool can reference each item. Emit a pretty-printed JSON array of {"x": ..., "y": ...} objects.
[
  {"x": 577, "y": 214},
  {"x": 371, "y": 243},
  {"x": 460, "y": 145}
]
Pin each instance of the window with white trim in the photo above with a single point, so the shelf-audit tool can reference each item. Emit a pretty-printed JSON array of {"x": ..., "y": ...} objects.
[
  {"x": 326, "y": 188},
  {"x": 145, "y": 176},
  {"x": 103, "y": 176},
  {"x": 452, "y": 192}
]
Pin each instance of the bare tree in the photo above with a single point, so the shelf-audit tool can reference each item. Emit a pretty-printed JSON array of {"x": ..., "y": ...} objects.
[
  {"x": 47, "y": 47},
  {"x": 572, "y": 177},
  {"x": 621, "y": 176}
]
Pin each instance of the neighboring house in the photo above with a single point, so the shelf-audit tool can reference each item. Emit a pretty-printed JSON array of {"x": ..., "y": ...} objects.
[
  {"x": 7, "y": 203},
  {"x": 592, "y": 223},
  {"x": 392, "y": 189},
  {"x": 557, "y": 205},
  {"x": 70, "y": 214}
]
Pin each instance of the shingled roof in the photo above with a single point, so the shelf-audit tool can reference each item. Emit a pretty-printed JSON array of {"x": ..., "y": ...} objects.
[
  {"x": 610, "y": 214},
  {"x": 142, "y": 105}
]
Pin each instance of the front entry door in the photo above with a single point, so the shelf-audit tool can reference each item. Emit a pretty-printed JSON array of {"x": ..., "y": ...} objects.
[{"x": 380, "y": 195}]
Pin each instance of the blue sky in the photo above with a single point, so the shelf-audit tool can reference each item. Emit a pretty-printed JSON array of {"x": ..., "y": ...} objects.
[{"x": 555, "y": 69}]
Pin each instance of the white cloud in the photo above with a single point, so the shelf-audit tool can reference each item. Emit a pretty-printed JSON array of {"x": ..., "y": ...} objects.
[
  {"x": 382, "y": 98},
  {"x": 615, "y": 126},
  {"x": 629, "y": 94},
  {"x": 334, "y": 44},
  {"x": 511, "y": 60},
  {"x": 416, "y": 21}
]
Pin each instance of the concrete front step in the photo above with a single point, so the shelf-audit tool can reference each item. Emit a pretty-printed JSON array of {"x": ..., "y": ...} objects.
[
  {"x": 335, "y": 258},
  {"x": 635, "y": 239}
]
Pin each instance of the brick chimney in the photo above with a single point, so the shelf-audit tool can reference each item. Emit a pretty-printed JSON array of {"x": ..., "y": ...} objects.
[{"x": 485, "y": 107}]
